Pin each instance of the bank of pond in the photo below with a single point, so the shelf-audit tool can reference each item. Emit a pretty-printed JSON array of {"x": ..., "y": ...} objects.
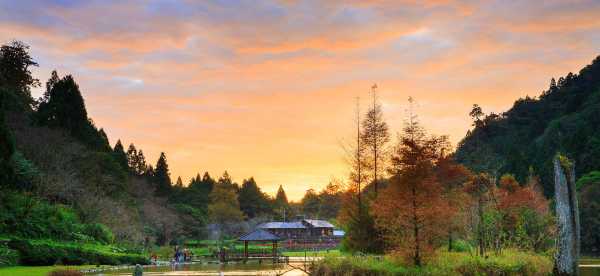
[{"x": 39, "y": 257}]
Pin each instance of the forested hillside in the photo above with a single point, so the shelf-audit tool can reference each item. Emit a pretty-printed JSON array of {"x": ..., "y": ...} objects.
[
  {"x": 61, "y": 180},
  {"x": 523, "y": 140}
]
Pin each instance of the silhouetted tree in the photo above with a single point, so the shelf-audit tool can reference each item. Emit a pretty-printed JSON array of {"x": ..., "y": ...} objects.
[
  {"x": 253, "y": 202},
  {"x": 281, "y": 205},
  {"x": 15, "y": 76},
  {"x": 311, "y": 204},
  {"x": 63, "y": 107},
  {"x": 162, "y": 176},
  {"x": 120, "y": 155}
]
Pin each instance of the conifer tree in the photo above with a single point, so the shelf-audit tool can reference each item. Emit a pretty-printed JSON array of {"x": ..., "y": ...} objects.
[
  {"x": 162, "y": 176},
  {"x": 281, "y": 205},
  {"x": 120, "y": 155},
  {"x": 15, "y": 76},
  {"x": 132, "y": 158},
  {"x": 140, "y": 166},
  {"x": 253, "y": 202}
]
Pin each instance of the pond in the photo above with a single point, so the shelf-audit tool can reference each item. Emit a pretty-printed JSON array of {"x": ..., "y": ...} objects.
[
  {"x": 238, "y": 269},
  {"x": 589, "y": 267}
]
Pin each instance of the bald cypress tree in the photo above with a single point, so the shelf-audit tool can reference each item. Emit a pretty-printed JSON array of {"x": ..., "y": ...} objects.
[{"x": 162, "y": 176}]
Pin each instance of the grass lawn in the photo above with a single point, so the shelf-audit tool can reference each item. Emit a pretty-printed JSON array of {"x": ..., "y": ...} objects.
[
  {"x": 37, "y": 270},
  {"x": 321, "y": 253}
]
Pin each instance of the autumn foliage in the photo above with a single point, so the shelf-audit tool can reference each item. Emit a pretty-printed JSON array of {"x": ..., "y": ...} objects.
[{"x": 414, "y": 210}]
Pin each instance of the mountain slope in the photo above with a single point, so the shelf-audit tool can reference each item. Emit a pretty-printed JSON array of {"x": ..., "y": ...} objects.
[{"x": 523, "y": 140}]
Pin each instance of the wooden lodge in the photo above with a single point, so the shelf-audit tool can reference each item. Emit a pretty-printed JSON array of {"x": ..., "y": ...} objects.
[{"x": 301, "y": 229}]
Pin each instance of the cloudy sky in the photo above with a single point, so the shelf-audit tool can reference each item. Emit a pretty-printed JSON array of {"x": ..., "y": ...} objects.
[{"x": 267, "y": 88}]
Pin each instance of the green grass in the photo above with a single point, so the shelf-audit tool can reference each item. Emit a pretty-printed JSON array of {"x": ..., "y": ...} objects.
[
  {"x": 510, "y": 262},
  {"x": 37, "y": 270},
  {"x": 321, "y": 253}
]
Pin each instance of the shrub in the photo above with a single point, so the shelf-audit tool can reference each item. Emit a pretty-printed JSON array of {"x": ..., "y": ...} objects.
[
  {"x": 461, "y": 246},
  {"x": 43, "y": 252},
  {"x": 8, "y": 257},
  {"x": 99, "y": 232}
]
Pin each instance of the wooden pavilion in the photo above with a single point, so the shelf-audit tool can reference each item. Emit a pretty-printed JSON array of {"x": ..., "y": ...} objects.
[{"x": 260, "y": 235}]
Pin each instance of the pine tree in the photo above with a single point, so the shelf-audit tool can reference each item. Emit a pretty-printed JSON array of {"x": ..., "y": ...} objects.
[
  {"x": 253, "y": 202},
  {"x": 281, "y": 205},
  {"x": 179, "y": 183},
  {"x": 120, "y": 155},
  {"x": 132, "y": 158},
  {"x": 162, "y": 176},
  {"x": 140, "y": 166}
]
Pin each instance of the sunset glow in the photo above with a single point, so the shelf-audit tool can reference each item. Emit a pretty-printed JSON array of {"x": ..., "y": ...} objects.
[{"x": 267, "y": 88}]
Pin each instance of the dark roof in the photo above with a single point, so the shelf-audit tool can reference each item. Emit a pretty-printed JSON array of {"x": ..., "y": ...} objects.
[
  {"x": 259, "y": 235},
  {"x": 319, "y": 223},
  {"x": 282, "y": 225}
]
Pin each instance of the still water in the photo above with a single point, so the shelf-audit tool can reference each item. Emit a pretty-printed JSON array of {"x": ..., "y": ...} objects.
[
  {"x": 253, "y": 269},
  {"x": 589, "y": 267}
]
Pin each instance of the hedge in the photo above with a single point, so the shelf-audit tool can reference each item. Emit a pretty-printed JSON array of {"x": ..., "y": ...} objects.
[
  {"x": 47, "y": 252},
  {"x": 8, "y": 257}
]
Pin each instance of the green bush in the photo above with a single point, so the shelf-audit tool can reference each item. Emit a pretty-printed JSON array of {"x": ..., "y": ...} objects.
[
  {"x": 8, "y": 257},
  {"x": 99, "y": 232},
  {"x": 44, "y": 252},
  {"x": 461, "y": 246}
]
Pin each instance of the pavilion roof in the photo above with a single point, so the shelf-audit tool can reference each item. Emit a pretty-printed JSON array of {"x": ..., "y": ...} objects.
[{"x": 259, "y": 235}]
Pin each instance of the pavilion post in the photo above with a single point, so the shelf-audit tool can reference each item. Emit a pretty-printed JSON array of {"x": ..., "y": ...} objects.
[
  {"x": 274, "y": 251},
  {"x": 246, "y": 250}
]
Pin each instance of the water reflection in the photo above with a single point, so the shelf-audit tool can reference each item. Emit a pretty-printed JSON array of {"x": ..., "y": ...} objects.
[{"x": 213, "y": 269}]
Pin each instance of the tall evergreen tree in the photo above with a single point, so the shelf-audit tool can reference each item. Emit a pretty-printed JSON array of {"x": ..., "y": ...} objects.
[
  {"x": 253, "y": 202},
  {"x": 15, "y": 76},
  {"x": 179, "y": 183},
  {"x": 120, "y": 155},
  {"x": 162, "y": 176},
  {"x": 281, "y": 205},
  {"x": 132, "y": 157},
  {"x": 140, "y": 166},
  {"x": 225, "y": 180},
  {"x": 63, "y": 107}
]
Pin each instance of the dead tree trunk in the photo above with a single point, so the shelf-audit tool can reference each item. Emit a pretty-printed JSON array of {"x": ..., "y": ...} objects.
[{"x": 567, "y": 215}]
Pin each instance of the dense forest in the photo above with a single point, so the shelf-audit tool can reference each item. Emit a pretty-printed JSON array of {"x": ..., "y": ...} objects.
[
  {"x": 61, "y": 180},
  {"x": 523, "y": 141}
]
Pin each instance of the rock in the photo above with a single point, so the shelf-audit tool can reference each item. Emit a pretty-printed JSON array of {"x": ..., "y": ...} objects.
[
  {"x": 138, "y": 270},
  {"x": 567, "y": 216}
]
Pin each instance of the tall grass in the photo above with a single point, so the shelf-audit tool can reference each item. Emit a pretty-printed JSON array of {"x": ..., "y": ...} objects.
[{"x": 510, "y": 262}]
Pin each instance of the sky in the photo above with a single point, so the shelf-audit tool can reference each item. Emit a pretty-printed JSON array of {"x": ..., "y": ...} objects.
[{"x": 268, "y": 88}]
